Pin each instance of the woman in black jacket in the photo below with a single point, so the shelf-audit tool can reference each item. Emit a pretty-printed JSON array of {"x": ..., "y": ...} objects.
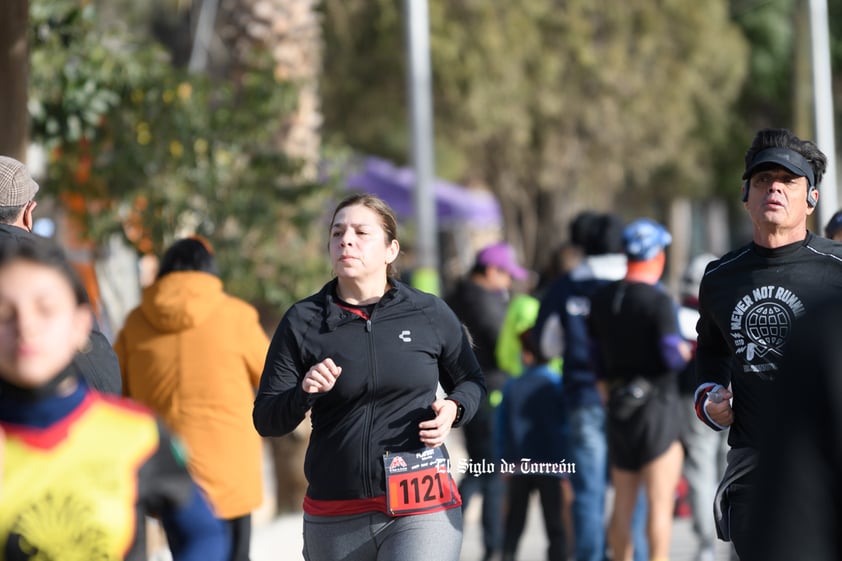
[{"x": 366, "y": 355}]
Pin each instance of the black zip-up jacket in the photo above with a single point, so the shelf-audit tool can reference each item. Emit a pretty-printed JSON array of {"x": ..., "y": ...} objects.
[{"x": 391, "y": 366}]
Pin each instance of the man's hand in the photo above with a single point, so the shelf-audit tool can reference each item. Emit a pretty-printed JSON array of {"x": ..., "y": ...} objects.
[
  {"x": 718, "y": 407},
  {"x": 321, "y": 377},
  {"x": 434, "y": 432}
]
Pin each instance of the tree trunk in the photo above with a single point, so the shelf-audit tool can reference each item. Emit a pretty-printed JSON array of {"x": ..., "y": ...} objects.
[
  {"x": 291, "y": 31},
  {"x": 681, "y": 228},
  {"x": 14, "y": 76}
]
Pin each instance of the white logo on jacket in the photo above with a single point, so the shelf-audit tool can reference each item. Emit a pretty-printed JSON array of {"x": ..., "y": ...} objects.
[
  {"x": 405, "y": 336},
  {"x": 760, "y": 324}
]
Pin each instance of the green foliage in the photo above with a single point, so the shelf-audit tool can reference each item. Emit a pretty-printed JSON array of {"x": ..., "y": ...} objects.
[
  {"x": 768, "y": 94},
  {"x": 363, "y": 85},
  {"x": 156, "y": 154},
  {"x": 556, "y": 106},
  {"x": 834, "y": 8},
  {"x": 768, "y": 26}
]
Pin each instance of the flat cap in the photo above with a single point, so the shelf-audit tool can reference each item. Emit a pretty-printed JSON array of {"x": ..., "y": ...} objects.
[{"x": 16, "y": 185}]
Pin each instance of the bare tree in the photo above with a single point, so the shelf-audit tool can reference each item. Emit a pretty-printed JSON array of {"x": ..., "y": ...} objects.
[{"x": 291, "y": 31}]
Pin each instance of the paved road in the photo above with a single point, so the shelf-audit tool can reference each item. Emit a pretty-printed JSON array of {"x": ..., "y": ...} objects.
[
  {"x": 280, "y": 540},
  {"x": 533, "y": 543}
]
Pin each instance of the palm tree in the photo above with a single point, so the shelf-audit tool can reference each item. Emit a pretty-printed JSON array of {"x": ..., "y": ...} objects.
[
  {"x": 291, "y": 31},
  {"x": 14, "y": 67}
]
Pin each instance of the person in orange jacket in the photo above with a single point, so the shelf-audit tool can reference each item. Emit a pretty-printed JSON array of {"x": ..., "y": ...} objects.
[{"x": 194, "y": 355}]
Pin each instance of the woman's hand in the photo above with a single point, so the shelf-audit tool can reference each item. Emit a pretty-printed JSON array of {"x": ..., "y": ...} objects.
[
  {"x": 321, "y": 377},
  {"x": 434, "y": 432}
]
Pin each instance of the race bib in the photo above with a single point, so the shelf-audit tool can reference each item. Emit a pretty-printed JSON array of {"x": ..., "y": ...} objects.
[{"x": 418, "y": 482}]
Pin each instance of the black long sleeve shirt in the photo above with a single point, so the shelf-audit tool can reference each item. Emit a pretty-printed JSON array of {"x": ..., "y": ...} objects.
[{"x": 748, "y": 302}]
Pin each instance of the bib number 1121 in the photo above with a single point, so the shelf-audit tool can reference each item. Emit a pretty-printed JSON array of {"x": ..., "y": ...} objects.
[
  {"x": 418, "y": 482},
  {"x": 432, "y": 484}
]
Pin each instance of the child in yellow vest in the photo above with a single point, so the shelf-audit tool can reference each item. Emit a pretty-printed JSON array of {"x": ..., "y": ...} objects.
[{"x": 80, "y": 470}]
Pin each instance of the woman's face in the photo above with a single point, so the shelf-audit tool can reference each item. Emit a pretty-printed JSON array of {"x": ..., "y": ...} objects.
[
  {"x": 359, "y": 249},
  {"x": 41, "y": 325}
]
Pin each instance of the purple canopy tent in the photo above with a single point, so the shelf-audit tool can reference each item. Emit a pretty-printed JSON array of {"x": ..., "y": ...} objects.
[{"x": 455, "y": 205}]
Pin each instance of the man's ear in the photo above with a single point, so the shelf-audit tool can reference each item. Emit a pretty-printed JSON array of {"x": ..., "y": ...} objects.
[
  {"x": 28, "y": 221},
  {"x": 812, "y": 202},
  {"x": 812, "y": 208}
]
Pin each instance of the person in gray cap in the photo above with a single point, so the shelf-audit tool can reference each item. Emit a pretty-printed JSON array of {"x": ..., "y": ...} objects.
[
  {"x": 748, "y": 302},
  {"x": 97, "y": 363},
  {"x": 17, "y": 194}
]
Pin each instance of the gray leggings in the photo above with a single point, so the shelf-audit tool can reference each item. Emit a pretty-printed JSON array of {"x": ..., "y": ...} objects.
[{"x": 375, "y": 536}]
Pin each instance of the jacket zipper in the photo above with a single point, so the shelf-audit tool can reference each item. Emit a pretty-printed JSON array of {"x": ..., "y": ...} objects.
[{"x": 369, "y": 412}]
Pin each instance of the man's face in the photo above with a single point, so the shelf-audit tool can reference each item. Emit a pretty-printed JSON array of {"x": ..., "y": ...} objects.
[{"x": 777, "y": 201}]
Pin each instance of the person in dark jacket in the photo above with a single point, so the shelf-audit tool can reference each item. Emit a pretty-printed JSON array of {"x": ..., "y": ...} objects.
[
  {"x": 748, "y": 302},
  {"x": 365, "y": 356},
  {"x": 532, "y": 434},
  {"x": 798, "y": 510},
  {"x": 480, "y": 301},
  {"x": 833, "y": 228},
  {"x": 79, "y": 471},
  {"x": 561, "y": 329},
  {"x": 97, "y": 363},
  {"x": 637, "y": 350}
]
